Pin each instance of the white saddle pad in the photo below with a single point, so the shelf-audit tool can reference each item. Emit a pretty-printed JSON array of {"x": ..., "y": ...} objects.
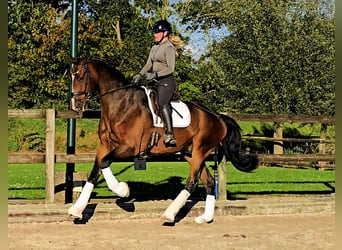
[{"x": 180, "y": 113}]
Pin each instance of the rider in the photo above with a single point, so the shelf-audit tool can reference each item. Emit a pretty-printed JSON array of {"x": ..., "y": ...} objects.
[{"x": 160, "y": 66}]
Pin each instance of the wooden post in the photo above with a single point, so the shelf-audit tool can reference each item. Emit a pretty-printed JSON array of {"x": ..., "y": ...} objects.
[
  {"x": 50, "y": 156},
  {"x": 323, "y": 137},
  {"x": 278, "y": 134},
  {"x": 321, "y": 147},
  {"x": 222, "y": 179}
]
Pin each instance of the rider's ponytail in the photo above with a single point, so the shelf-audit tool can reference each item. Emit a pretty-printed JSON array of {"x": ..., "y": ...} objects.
[{"x": 177, "y": 42}]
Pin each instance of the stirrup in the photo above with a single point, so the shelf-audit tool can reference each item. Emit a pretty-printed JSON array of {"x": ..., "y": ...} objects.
[{"x": 169, "y": 140}]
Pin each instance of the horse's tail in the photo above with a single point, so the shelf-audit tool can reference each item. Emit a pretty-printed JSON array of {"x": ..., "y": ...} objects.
[{"x": 231, "y": 147}]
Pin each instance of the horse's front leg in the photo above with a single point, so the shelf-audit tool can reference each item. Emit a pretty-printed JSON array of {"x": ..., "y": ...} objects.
[
  {"x": 82, "y": 201},
  {"x": 120, "y": 188}
]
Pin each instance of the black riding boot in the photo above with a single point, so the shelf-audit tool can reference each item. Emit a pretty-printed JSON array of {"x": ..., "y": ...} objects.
[{"x": 167, "y": 119}]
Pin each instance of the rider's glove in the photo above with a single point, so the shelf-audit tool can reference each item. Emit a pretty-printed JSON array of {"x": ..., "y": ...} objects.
[
  {"x": 150, "y": 76},
  {"x": 136, "y": 79}
]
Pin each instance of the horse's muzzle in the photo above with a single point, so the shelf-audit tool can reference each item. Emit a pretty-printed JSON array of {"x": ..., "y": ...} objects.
[
  {"x": 73, "y": 105},
  {"x": 79, "y": 100},
  {"x": 78, "y": 105}
]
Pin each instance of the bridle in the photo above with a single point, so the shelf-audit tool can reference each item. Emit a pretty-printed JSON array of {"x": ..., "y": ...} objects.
[{"x": 88, "y": 94}]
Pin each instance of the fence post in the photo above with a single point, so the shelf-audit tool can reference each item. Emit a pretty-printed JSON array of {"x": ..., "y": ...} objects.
[
  {"x": 278, "y": 134},
  {"x": 321, "y": 146},
  {"x": 50, "y": 156},
  {"x": 222, "y": 179}
]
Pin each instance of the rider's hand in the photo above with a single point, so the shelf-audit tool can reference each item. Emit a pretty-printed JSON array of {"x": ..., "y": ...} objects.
[
  {"x": 150, "y": 76},
  {"x": 136, "y": 79}
]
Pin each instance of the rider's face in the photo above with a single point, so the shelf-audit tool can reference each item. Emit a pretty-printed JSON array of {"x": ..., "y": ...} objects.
[{"x": 158, "y": 36}]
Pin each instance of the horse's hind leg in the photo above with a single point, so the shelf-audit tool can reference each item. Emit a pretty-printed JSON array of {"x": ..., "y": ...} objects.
[
  {"x": 197, "y": 170},
  {"x": 182, "y": 197},
  {"x": 209, "y": 184},
  {"x": 176, "y": 205}
]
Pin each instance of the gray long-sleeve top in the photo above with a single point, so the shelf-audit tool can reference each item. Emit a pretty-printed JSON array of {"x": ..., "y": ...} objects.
[{"x": 161, "y": 59}]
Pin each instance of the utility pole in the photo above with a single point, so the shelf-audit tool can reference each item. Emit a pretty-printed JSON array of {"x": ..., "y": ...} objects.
[{"x": 70, "y": 167}]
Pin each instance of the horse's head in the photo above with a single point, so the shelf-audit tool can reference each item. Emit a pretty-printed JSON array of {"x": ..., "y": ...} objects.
[
  {"x": 82, "y": 85},
  {"x": 92, "y": 76}
]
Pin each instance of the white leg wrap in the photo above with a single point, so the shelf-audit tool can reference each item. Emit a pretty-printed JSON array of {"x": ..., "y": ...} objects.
[
  {"x": 110, "y": 179},
  {"x": 176, "y": 205},
  {"x": 208, "y": 214},
  {"x": 82, "y": 201},
  {"x": 120, "y": 188}
]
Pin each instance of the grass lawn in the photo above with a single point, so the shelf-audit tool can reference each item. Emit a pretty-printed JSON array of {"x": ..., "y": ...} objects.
[{"x": 165, "y": 180}]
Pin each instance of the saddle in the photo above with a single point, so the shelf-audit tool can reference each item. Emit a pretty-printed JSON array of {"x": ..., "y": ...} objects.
[
  {"x": 180, "y": 112},
  {"x": 180, "y": 118}
]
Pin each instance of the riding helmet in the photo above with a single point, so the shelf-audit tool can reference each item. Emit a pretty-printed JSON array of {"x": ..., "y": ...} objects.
[{"x": 161, "y": 26}]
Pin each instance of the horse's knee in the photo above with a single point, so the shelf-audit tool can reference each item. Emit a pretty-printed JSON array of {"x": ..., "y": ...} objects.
[
  {"x": 94, "y": 174},
  {"x": 92, "y": 179},
  {"x": 105, "y": 162},
  {"x": 97, "y": 169}
]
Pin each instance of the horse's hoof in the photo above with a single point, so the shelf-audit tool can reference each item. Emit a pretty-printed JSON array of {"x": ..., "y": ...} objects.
[
  {"x": 201, "y": 219},
  {"x": 75, "y": 212},
  {"x": 168, "y": 217},
  {"x": 123, "y": 190}
]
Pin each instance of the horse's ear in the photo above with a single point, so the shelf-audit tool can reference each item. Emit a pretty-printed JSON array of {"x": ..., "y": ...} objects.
[
  {"x": 73, "y": 60},
  {"x": 87, "y": 58}
]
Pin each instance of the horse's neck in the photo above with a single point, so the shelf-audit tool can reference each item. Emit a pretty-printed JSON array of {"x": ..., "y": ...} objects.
[
  {"x": 108, "y": 79},
  {"x": 124, "y": 104},
  {"x": 122, "y": 96},
  {"x": 110, "y": 85}
]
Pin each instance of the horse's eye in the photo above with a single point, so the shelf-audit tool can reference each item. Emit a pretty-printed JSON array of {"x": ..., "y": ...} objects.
[{"x": 77, "y": 76}]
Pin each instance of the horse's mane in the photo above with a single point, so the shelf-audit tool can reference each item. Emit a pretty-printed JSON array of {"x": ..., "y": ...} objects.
[{"x": 114, "y": 71}]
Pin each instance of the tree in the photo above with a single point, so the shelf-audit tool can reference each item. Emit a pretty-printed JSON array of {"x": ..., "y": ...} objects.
[
  {"x": 277, "y": 58},
  {"x": 37, "y": 55},
  {"x": 39, "y": 44},
  {"x": 119, "y": 34}
]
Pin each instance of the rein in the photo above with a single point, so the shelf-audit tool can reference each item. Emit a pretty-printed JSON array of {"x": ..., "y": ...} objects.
[
  {"x": 90, "y": 94},
  {"x": 113, "y": 90},
  {"x": 128, "y": 86}
]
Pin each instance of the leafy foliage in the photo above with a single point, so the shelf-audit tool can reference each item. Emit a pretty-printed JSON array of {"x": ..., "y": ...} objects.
[
  {"x": 276, "y": 56},
  {"x": 37, "y": 54}
]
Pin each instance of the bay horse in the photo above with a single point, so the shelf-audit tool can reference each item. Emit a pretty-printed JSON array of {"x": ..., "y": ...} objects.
[{"x": 126, "y": 126}]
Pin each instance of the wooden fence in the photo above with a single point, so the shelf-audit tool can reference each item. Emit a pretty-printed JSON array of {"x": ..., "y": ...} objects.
[{"x": 50, "y": 157}]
